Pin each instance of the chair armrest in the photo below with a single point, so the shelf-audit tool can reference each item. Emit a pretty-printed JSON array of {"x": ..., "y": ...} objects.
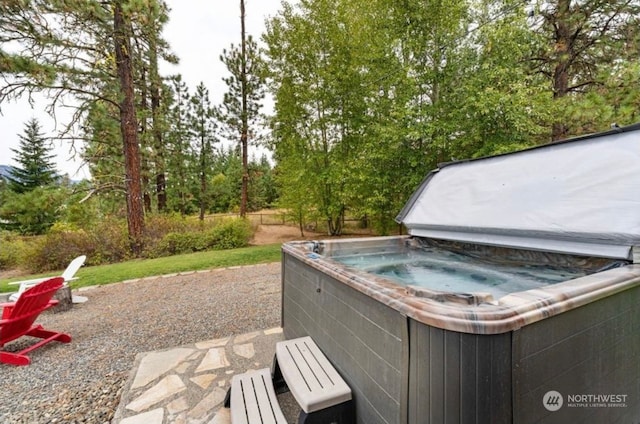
[{"x": 33, "y": 281}]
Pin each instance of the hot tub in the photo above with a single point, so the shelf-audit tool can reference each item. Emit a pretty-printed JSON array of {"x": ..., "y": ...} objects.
[{"x": 514, "y": 298}]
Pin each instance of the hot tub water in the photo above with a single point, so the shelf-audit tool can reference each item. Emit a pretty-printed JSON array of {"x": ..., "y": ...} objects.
[{"x": 442, "y": 270}]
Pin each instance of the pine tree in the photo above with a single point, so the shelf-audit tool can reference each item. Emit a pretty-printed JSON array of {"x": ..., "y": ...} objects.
[
  {"x": 180, "y": 153},
  {"x": 76, "y": 50},
  {"x": 203, "y": 136},
  {"x": 34, "y": 157},
  {"x": 241, "y": 106}
]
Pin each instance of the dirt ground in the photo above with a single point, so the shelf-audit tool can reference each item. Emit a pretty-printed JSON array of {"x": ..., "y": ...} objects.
[{"x": 269, "y": 234}]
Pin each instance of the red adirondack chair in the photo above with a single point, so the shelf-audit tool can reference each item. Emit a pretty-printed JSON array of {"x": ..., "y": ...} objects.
[{"x": 18, "y": 320}]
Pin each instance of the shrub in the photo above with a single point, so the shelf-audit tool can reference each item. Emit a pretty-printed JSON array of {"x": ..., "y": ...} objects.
[
  {"x": 12, "y": 250},
  {"x": 170, "y": 234},
  {"x": 158, "y": 226},
  {"x": 227, "y": 234},
  {"x": 107, "y": 242},
  {"x": 56, "y": 249},
  {"x": 174, "y": 243},
  {"x": 231, "y": 234},
  {"x": 110, "y": 242}
]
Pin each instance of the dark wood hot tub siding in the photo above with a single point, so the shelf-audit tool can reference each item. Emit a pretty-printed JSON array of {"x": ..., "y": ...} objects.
[
  {"x": 594, "y": 349},
  {"x": 449, "y": 377},
  {"x": 368, "y": 343},
  {"x": 365, "y": 340},
  {"x": 459, "y": 378}
]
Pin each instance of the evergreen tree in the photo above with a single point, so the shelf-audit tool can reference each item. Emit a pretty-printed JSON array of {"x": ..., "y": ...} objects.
[
  {"x": 180, "y": 154},
  {"x": 82, "y": 50},
  {"x": 203, "y": 136},
  {"x": 34, "y": 157},
  {"x": 32, "y": 212},
  {"x": 241, "y": 106},
  {"x": 589, "y": 47}
]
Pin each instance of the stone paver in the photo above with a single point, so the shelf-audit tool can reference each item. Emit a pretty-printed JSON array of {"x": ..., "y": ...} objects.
[
  {"x": 215, "y": 359},
  {"x": 188, "y": 384},
  {"x": 156, "y": 364},
  {"x": 204, "y": 380},
  {"x": 213, "y": 343},
  {"x": 164, "y": 389},
  {"x": 152, "y": 417},
  {"x": 245, "y": 350}
]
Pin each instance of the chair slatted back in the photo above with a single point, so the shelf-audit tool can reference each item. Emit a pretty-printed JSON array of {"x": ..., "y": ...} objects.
[
  {"x": 27, "y": 308},
  {"x": 73, "y": 267}
]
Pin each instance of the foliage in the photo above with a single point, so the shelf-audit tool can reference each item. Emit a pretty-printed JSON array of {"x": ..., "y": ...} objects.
[
  {"x": 317, "y": 76},
  {"x": 32, "y": 212},
  {"x": 203, "y": 137},
  {"x": 56, "y": 249},
  {"x": 12, "y": 250},
  {"x": 34, "y": 157},
  {"x": 159, "y": 225},
  {"x": 84, "y": 51},
  {"x": 107, "y": 241},
  {"x": 140, "y": 268},
  {"x": 228, "y": 234},
  {"x": 241, "y": 105},
  {"x": 248, "y": 71},
  {"x": 103, "y": 153},
  {"x": 180, "y": 162},
  {"x": 78, "y": 211},
  {"x": 510, "y": 108},
  {"x": 231, "y": 234},
  {"x": 371, "y": 95},
  {"x": 262, "y": 189},
  {"x": 584, "y": 40}
]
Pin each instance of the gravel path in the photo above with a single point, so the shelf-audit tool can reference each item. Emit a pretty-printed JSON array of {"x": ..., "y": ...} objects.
[{"x": 81, "y": 382}]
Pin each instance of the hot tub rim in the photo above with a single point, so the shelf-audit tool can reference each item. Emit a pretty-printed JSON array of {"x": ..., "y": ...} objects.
[{"x": 509, "y": 313}]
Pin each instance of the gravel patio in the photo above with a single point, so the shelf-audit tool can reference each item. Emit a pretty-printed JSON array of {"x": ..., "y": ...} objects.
[{"x": 81, "y": 382}]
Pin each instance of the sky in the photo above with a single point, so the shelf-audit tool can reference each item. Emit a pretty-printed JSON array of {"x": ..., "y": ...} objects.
[{"x": 197, "y": 31}]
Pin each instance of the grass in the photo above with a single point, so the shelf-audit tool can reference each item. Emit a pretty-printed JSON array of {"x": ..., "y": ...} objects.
[{"x": 106, "y": 274}]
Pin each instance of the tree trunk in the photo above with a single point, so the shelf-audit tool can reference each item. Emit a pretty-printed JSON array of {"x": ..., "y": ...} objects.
[
  {"x": 64, "y": 298},
  {"x": 245, "y": 121},
  {"x": 161, "y": 184},
  {"x": 563, "y": 53},
  {"x": 128, "y": 129},
  {"x": 144, "y": 156},
  {"x": 203, "y": 173}
]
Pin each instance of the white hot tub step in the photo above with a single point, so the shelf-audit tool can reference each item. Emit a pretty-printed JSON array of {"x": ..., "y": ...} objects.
[
  {"x": 253, "y": 399},
  {"x": 313, "y": 381}
]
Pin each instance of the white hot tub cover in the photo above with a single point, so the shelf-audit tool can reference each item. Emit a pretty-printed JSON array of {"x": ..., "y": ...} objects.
[{"x": 578, "y": 196}]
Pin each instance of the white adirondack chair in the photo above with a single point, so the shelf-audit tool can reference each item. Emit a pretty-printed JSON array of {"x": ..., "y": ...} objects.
[{"x": 68, "y": 275}]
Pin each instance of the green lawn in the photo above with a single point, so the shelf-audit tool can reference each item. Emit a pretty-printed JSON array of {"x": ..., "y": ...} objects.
[{"x": 105, "y": 274}]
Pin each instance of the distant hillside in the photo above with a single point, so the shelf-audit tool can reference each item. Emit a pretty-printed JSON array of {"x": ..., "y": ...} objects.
[{"x": 4, "y": 171}]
